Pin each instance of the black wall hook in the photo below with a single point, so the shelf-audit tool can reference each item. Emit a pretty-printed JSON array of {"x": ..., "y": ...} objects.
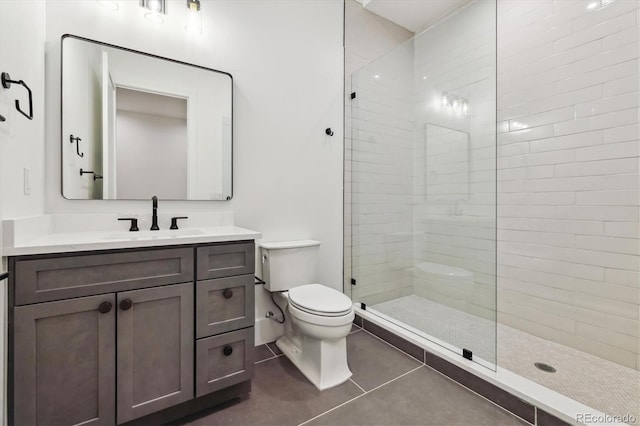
[
  {"x": 90, "y": 172},
  {"x": 77, "y": 140},
  {"x": 6, "y": 83},
  {"x": 328, "y": 131}
]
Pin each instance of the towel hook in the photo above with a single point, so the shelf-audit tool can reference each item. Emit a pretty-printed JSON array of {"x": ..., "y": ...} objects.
[
  {"x": 6, "y": 83},
  {"x": 90, "y": 172},
  {"x": 77, "y": 140}
]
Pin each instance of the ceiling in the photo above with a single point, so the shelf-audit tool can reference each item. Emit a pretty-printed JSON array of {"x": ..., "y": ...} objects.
[{"x": 414, "y": 15}]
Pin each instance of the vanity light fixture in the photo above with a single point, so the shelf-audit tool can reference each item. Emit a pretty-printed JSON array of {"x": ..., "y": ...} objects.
[
  {"x": 194, "y": 17},
  {"x": 156, "y": 10},
  {"x": 455, "y": 103},
  {"x": 109, "y": 4}
]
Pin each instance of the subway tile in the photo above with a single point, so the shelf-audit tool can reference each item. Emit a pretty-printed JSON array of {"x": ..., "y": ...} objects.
[
  {"x": 595, "y": 168},
  {"x": 609, "y": 104},
  {"x": 621, "y": 134},
  {"x": 622, "y": 229},
  {"x": 622, "y": 325},
  {"x": 607, "y": 290},
  {"x": 624, "y": 277},
  {"x": 609, "y": 244},
  {"x": 602, "y": 29},
  {"x": 607, "y": 336},
  {"x": 620, "y": 86},
  {"x": 596, "y": 17},
  {"x": 608, "y": 198},
  {"x": 595, "y": 122},
  {"x": 577, "y": 140},
  {"x": 609, "y": 151}
]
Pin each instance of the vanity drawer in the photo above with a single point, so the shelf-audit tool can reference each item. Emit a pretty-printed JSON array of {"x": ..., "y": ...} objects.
[
  {"x": 64, "y": 277},
  {"x": 224, "y": 304},
  {"x": 225, "y": 260},
  {"x": 224, "y": 360}
]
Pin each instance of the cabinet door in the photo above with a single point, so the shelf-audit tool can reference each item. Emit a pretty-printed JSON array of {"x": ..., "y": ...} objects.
[
  {"x": 63, "y": 362},
  {"x": 155, "y": 349}
]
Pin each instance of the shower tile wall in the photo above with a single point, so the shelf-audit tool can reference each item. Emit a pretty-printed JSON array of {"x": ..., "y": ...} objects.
[
  {"x": 454, "y": 164},
  {"x": 367, "y": 37},
  {"x": 382, "y": 148},
  {"x": 568, "y": 238}
]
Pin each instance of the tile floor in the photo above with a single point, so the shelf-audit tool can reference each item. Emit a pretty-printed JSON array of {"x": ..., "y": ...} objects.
[
  {"x": 388, "y": 387},
  {"x": 596, "y": 382}
]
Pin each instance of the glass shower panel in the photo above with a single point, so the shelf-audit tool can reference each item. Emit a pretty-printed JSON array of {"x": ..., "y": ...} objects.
[{"x": 423, "y": 183}]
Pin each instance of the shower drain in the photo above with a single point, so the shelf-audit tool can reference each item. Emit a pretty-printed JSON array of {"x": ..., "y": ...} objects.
[{"x": 545, "y": 367}]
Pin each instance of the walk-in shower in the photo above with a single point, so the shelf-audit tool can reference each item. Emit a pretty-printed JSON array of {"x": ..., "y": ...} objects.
[{"x": 491, "y": 186}]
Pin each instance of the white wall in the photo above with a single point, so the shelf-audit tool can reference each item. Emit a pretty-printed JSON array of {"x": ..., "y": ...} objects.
[
  {"x": 22, "y": 56},
  {"x": 287, "y": 90},
  {"x": 568, "y": 239},
  {"x": 154, "y": 143}
]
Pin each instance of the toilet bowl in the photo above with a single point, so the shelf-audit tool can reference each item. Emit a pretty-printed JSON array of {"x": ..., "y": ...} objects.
[{"x": 317, "y": 317}]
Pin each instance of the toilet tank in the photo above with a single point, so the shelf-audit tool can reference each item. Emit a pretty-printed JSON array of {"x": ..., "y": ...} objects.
[{"x": 288, "y": 264}]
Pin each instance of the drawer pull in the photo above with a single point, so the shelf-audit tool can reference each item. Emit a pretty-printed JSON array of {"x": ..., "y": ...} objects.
[
  {"x": 228, "y": 350},
  {"x": 126, "y": 304},
  {"x": 104, "y": 307},
  {"x": 228, "y": 293}
]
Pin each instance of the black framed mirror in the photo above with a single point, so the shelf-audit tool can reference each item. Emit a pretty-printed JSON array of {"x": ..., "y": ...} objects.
[{"x": 136, "y": 125}]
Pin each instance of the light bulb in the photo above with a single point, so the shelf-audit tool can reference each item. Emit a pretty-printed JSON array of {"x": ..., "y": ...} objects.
[
  {"x": 154, "y": 5},
  {"x": 108, "y": 4},
  {"x": 194, "y": 17}
]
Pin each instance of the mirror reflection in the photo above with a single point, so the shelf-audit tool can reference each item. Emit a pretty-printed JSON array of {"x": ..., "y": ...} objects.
[
  {"x": 136, "y": 125},
  {"x": 447, "y": 162}
]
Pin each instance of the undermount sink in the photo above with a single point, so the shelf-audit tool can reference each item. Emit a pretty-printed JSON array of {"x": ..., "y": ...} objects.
[{"x": 148, "y": 235}]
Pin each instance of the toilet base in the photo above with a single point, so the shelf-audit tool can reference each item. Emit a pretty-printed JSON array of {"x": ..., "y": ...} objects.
[{"x": 323, "y": 362}]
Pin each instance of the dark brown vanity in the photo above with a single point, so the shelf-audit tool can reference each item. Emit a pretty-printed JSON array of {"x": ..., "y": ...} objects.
[{"x": 142, "y": 335}]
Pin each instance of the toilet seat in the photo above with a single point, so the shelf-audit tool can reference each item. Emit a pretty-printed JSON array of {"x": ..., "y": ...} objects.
[
  {"x": 319, "y": 300},
  {"x": 319, "y": 320}
]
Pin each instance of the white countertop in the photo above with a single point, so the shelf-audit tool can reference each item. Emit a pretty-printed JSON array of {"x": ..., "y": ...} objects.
[{"x": 43, "y": 238}]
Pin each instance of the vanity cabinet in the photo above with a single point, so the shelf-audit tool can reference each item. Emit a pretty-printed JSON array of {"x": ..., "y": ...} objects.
[{"x": 109, "y": 338}]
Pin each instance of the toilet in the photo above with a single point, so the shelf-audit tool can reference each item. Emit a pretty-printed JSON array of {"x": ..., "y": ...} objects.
[{"x": 317, "y": 318}]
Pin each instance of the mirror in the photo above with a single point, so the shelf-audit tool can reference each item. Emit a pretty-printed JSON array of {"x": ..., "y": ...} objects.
[
  {"x": 447, "y": 164},
  {"x": 136, "y": 125}
]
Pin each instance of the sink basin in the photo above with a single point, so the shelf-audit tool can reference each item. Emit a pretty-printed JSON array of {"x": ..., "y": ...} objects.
[{"x": 151, "y": 235}]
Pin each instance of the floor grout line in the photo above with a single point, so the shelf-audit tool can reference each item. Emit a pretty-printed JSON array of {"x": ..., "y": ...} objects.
[
  {"x": 271, "y": 350},
  {"x": 361, "y": 395},
  {"x": 360, "y": 387},
  {"x": 266, "y": 359}
]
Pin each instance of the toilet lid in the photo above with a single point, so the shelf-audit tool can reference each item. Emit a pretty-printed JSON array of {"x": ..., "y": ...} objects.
[{"x": 319, "y": 300}]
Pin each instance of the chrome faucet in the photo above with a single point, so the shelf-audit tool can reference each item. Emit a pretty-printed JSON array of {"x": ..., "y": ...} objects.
[{"x": 154, "y": 219}]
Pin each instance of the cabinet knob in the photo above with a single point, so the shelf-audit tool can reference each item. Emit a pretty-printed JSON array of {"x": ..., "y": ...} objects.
[
  {"x": 126, "y": 304},
  {"x": 228, "y": 350},
  {"x": 228, "y": 293},
  {"x": 104, "y": 307}
]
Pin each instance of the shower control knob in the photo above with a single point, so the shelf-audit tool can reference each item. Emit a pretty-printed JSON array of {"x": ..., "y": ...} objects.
[{"x": 228, "y": 350}]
